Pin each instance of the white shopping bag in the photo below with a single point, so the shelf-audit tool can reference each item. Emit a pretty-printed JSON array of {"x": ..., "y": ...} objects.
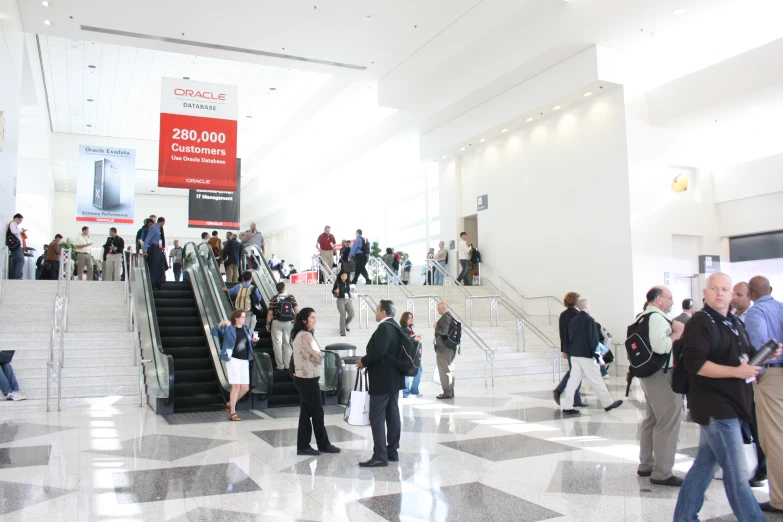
[
  {"x": 750, "y": 457},
  {"x": 357, "y": 412}
]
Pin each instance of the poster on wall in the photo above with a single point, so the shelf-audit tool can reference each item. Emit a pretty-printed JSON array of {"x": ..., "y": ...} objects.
[
  {"x": 215, "y": 208},
  {"x": 106, "y": 184},
  {"x": 198, "y": 135}
]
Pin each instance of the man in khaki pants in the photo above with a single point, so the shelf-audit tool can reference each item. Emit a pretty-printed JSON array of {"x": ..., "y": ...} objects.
[
  {"x": 764, "y": 322},
  {"x": 444, "y": 355},
  {"x": 279, "y": 322},
  {"x": 83, "y": 254},
  {"x": 325, "y": 245},
  {"x": 661, "y": 426}
]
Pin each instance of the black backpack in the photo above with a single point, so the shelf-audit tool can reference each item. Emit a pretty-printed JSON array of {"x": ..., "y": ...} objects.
[
  {"x": 475, "y": 257},
  {"x": 285, "y": 309},
  {"x": 680, "y": 376},
  {"x": 408, "y": 358},
  {"x": 365, "y": 247},
  {"x": 453, "y": 338},
  {"x": 642, "y": 359},
  {"x": 11, "y": 241}
]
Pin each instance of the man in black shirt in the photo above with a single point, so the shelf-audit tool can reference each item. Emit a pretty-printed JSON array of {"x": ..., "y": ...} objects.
[
  {"x": 112, "y": 256},
  {"x": 715, "y": 351},
  {"x": 582, "y": 348}
]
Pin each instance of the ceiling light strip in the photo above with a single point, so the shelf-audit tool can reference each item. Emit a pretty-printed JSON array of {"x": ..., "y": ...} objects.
[
  {"x": 222, "y": 47},
  {"x": 43, "y": 74}
]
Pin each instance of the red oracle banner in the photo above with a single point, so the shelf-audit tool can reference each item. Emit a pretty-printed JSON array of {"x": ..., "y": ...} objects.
[{"x": 198, "y": 135}]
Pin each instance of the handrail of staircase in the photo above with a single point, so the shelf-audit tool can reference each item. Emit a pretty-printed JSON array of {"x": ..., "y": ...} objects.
[
  {"x": 489, "y": 352},
  {"x": 329, "y": 275},
  {"x": 503, "y": 283},
  {"x": 59, "y": 324},
  {"x": 211, "y": 312},
  {"x": 147, "y": 334},
  {"x": 4, "y": 253}
]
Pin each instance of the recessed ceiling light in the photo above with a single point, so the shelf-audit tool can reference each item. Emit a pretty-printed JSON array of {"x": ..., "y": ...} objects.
[
  {"x": 249, "y": 116},
  {"x": 45, "y": 3},
  {"x": 679, "y": 11},
  {"x": 89, "y": 125},
  {"x": 47, "y": 22},
  {"x": 529, "y": 119},
  {"x": 91, "y": 67},
  {"x": 186, "y": 77},
  {"x": 462, "y": 148},
  {"x": 588, "y": 93},
  {"x": 482, "y": 140},
  {"x": 369, "y": 17},
  {"x": 90, "y": 100},
  {"x": 273, "y": 88},
  {"x": 443, "y": 157},
  {"x": 556, "y": 108},
  {"x": 504, "y": 130}
]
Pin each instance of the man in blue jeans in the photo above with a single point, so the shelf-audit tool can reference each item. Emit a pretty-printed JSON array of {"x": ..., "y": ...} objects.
[
  {"x": 17, "y": 255},
  {"x": 463, "y": 251},
  {"x": 8, "y": 384},
  {"x": 720, "y": 401}
]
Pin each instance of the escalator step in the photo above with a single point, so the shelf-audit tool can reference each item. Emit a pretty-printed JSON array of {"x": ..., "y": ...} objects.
[
  {"x": 195, "y": 375},
  {"x": 180, "y": 331},
  {"x": 193, "y": 364},
  {"x": 174, "y": 285},
  {"x": 173, "y": 294},
  {"x": 175, "y": 303},
  {"x": 174, "y": 342},
  {"x": 170, "y": 313},
  {"x": 168, "y": 320},
  {"x": 188, "y": 352},
  {"x": 204, "y": 402},
  {"x": 189, "y": 389},
  {"x": 284, "y": 388}
]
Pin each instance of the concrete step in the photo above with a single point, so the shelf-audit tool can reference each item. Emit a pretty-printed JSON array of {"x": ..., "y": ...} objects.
[
  {"x": 87, "y": 390},
  {"x": 93, "y": 361},
  {"x": 70, "y": 403},
  {"x": 79, "y": 373},
  {"x": 80, "y": 352}
]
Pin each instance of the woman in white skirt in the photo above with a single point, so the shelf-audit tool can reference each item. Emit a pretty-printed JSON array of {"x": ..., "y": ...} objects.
[{"x": 236, "y": 349}]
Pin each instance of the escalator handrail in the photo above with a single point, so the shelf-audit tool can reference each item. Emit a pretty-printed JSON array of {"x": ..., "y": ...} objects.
[
  {"x": 147, "y": 315},
  {"x": 262, "y": 276},
  {"x": 204, "y": 298},
  {"x": 338, "y": 374}
]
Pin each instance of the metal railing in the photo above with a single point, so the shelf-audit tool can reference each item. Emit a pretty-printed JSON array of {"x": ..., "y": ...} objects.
[
  {"x": 450, "y": 284},
  {"x": 54, "y": 365},
  {"x": 489, "y": 352},
  {"x": 508, "y": 292},
  {"x": 393, "y": 283},
  {"x": 329, "y": 276}
]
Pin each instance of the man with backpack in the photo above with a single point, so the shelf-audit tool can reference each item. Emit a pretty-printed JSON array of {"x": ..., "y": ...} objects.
[
  {"x": 282, "y": 310},
  {"x": 386, "y": 381},
  {"x": 360, "y": 253},
  {"x": 660, "y": 429},
  {"x": 447, "y": 337},
  {"x": 247, "y": 298},
  {"x": 582, "y": 345}
]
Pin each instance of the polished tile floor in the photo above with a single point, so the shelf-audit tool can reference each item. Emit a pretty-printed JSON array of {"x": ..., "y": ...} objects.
[{"x": 490, "y": 454}]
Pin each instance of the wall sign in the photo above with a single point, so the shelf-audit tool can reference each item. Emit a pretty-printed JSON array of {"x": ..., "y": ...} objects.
[
  {"x": 482, "y": 202},
  {"x": 215, "y": 208},
  {"x": 106, "y": 184},
  {"x": 198, "y": 135},
  {"x": 709, "y": 264}
]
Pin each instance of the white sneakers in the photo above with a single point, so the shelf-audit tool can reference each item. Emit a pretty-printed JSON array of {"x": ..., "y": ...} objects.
[{"x": 16, "y": 396}]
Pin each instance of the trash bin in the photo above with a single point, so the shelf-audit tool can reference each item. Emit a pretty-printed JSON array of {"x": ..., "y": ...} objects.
[
  {"x": 342, "y": 349},
  {"x": 28, "y": 270},
  {"x": 349, "y": 378}
]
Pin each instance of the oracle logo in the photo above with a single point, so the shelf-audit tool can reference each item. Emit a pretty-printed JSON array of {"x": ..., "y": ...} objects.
[
  {"x": 202, "y": 181},
  {"x": 204, "y": 95}
]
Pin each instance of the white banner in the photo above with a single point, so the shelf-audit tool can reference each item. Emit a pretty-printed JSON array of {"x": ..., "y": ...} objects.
[{"x": 106, "y": 185}]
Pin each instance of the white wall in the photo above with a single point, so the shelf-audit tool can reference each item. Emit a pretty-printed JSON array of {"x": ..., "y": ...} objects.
[
  {"x": 558, "y": 217},
  {"x": 11, "y": 56}
]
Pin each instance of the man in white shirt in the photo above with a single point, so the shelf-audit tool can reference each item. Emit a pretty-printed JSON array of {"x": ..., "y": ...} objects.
[
  {"x": 17, "y": 255},
  {"x": 464, "y": 257},
  {"x": 83, "y": 257},
  {"x": 441, "y": 257},
  {"x": 741, "y": 301},
  {"x": 661, "y": 426}
]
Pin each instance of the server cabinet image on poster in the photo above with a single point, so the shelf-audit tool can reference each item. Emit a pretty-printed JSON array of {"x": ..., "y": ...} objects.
[{"x": 106, "y": 188}]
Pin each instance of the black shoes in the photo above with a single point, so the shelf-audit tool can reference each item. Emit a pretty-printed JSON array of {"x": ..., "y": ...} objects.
[
  {"x": 394, "y": 457},
  {"x": 757, "y": 481},
  {"x": 556, "y": 396},
  {"x": 643, "y": 473},
  {"x": 308, "y": 451},
  {"x": 331, "y": 448},
  {"x": 765, "y": 506},
  {"x": 373, "y": 463},
  {"x": 671, "y": 481},
  {"x": 571, "y": 413},
  {"x": 582, "y": 405},
  {"x": 615, "y": 404}
]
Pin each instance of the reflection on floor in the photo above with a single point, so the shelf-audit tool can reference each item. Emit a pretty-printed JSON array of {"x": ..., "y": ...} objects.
[{"x": 500, "y": 453}]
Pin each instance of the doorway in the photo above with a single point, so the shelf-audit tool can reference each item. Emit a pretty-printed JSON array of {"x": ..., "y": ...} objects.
[
  {"x": 470, "y": 225},
  {"x": 685, "y": 286}
]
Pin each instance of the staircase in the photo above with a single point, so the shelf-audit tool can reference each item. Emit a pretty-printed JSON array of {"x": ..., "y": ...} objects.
[
  {"x": 99, "y": 364},
  {"x": 511, "y": 364}
]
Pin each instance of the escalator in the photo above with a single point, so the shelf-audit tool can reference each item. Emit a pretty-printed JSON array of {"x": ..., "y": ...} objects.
[{"x": 196, "y": 384}]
